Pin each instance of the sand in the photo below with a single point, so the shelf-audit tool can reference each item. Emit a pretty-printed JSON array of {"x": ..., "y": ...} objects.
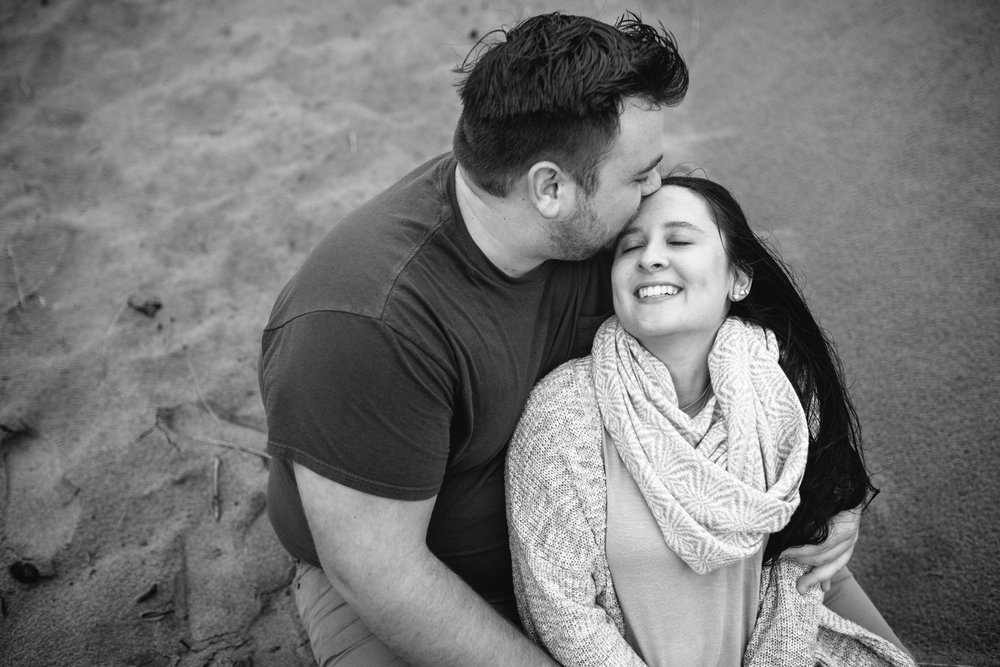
[{"x": 166, "y": 165}]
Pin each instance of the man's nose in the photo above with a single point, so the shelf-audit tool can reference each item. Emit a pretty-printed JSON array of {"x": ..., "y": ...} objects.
[{"x": 651, "y": 183}]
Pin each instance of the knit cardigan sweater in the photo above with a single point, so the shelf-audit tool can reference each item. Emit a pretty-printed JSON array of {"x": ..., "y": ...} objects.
[{"x": 557, "y": 515}]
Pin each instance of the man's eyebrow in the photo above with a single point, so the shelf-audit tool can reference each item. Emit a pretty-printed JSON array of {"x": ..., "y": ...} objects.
[{"x": 651, "y": 166}]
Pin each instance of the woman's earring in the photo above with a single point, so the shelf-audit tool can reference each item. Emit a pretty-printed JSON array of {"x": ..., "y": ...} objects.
[{"x": 740, "y": 294}]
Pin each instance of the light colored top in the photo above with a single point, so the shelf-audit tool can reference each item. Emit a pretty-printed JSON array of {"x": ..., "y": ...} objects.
[
  {"x": 557, "y": 517},
  {"x": 709, "y": 616}
]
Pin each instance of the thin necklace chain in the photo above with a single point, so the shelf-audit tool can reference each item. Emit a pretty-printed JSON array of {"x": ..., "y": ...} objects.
[{"x": 701, "y": 396}]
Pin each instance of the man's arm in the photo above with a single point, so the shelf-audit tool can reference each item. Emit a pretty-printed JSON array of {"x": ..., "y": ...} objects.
[
  {"x": 374, "y": 552},
  {"x": 829, "y": 556}
]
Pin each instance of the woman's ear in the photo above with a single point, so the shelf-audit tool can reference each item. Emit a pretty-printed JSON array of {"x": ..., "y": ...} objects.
[
  {"x": 741, "y": 286},
  {"x": 550, "y": 189}
]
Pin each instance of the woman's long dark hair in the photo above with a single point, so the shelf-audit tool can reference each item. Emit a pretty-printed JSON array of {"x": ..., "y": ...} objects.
[{"x": 836, "y": 478}]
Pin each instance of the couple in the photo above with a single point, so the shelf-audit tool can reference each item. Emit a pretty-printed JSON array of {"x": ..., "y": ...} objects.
[{"x": 397, "y": 363}]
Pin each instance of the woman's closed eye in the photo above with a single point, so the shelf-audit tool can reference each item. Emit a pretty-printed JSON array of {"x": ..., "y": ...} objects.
[
  {"x": 629, "y": 243},
  {"x": 680, "y": 238}
]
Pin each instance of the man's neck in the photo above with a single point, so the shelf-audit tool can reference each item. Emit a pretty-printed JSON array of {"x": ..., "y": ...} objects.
[{"x": 495, "y": 227}]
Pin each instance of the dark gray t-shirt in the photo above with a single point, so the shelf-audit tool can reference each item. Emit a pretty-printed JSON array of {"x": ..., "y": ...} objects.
[{"x": 397, "y": 362}]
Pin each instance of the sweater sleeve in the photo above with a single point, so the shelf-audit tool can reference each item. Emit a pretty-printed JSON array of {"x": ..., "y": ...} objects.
[{"x": 557, "y": 561}]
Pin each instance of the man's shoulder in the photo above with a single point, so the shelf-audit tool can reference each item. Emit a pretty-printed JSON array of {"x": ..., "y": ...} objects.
[
  {"x": 393, "y": 222},
  {"x": 356, "y": 266}
]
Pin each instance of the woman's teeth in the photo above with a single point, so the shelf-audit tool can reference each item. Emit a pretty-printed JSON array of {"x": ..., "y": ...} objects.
[{"x": 658, "y": 290}]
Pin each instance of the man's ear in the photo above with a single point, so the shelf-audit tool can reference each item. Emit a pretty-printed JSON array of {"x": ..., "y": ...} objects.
[{"x": 550, "y": 189}]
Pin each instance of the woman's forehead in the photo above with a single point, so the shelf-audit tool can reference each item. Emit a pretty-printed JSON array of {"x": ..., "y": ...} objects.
[{"x": 674, "y": 204}]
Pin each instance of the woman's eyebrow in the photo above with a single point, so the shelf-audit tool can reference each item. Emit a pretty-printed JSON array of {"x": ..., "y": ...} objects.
[
  {"x": 631, "y": 230},
  {"x": 634, "y": 229},
  {"x": 683, "y": 224}
]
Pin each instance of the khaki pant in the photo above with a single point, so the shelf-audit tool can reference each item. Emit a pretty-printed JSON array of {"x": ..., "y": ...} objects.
[{"x": 337, "y": 635}]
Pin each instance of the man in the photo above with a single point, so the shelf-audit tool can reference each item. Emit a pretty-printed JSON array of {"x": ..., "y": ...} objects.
[{"x": 397, "y": 361}]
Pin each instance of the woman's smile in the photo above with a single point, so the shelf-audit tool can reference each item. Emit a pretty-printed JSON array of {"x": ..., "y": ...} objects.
[{"x": 658, "y": 290}]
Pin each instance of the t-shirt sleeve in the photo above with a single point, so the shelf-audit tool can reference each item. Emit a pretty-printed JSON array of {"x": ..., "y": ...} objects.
[{"x": 354, "y": 401}]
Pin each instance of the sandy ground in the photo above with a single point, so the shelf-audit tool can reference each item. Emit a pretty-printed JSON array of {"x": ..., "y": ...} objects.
[{"x": 166, "y": 165}]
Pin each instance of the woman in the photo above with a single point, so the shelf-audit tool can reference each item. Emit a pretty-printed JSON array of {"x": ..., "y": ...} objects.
[{"x": 652, "y": 485}]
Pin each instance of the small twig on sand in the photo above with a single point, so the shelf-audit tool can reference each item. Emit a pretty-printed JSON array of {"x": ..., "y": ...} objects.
[
  {"x": 156, "y": 614},
  {"x": 148, "y": 593},
  {"x": 352, "y": 141},
  {"x": 240, "y": 448},
  {"x": 33, "y": 290},
  {"x": 216, "y": 500},
  {"x": 107, "y": 336},
  {"x": 165, "y": 430},
  {"x": 30, "y": 94},
  {"x": 162, "y": 414},
  {"x": 201, "y": 396},
  {"x": 695, "y": 29},
  {"x": 9, "y": 248},
  {"x": 6, "y": 481}
]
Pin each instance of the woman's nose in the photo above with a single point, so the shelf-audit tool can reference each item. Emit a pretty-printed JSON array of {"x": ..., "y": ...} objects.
[{"x": 652, "y": 259}]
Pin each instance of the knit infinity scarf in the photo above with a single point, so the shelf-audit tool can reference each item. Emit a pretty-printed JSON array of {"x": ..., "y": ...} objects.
[
  {"x": 720, "y": 482},
  {"x": 717, "y": 484}
]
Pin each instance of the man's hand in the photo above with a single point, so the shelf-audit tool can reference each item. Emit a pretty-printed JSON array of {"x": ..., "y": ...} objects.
[{"x": 826, "y": 558}]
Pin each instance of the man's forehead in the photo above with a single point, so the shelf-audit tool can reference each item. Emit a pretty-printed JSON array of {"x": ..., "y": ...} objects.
[{"x": 639, "y": 145}]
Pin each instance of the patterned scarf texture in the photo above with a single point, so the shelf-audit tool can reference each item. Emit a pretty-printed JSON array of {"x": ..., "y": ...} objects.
[{"x": 720, "y": 482}]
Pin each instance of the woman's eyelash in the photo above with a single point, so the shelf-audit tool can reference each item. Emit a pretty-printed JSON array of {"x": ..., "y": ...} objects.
[{"x": 627, "y": 248}]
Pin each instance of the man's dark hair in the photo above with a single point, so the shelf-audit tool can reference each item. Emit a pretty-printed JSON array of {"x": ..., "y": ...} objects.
[{"x": 554, "y": 90}]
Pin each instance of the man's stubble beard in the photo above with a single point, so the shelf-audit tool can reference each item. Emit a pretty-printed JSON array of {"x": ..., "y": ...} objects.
[{"x": 583, "y": 236}]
